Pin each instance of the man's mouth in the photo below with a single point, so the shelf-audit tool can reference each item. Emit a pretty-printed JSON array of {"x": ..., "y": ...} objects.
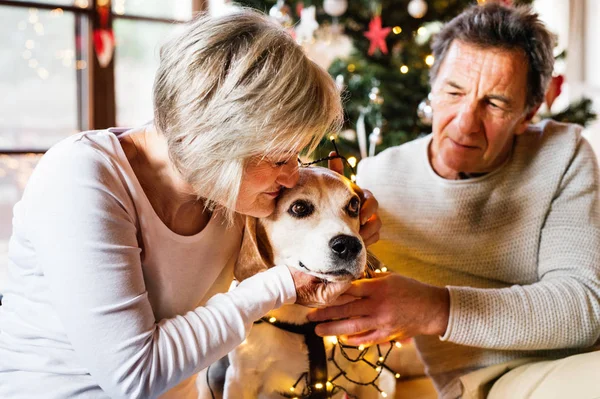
[{"x": 456, "y": 143}]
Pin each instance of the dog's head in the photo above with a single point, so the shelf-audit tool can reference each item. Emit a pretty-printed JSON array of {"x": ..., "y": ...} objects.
[{"x": 314, "y": 228}]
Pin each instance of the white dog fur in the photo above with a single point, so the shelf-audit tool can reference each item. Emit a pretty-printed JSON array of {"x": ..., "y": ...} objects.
[{"x": 271, "y": 360}]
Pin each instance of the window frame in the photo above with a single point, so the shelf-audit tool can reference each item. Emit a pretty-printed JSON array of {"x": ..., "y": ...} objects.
[{"x": 96, "y": 99}]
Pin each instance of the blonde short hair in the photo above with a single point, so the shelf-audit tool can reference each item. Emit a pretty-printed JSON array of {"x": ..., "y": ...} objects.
[{"x": 234, "y": 87}]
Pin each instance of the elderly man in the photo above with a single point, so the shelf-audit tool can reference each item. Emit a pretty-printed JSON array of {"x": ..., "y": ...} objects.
[{"x": 492, "y": 224}]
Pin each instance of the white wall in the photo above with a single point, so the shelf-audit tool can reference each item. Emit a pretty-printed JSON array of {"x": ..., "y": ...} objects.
[
  {"x": 592, "y": 44},
  {"x": 582, "y": 42},
  {"x": 591, "y": 72}
]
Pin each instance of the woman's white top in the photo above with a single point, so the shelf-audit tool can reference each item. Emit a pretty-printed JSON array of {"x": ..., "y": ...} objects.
[{"x": 103, "y": 299}]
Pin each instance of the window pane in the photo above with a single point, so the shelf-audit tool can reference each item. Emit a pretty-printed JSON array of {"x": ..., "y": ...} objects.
[
  {"x": 180, "y": 10},
  {"x": 14, "y": 172},
  {"x": 136, "y": 61},
  {"x": 38, "y": 77}
]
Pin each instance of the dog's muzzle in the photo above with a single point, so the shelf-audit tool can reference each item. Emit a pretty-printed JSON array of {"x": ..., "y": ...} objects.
[{"x": 345, "y": 247}]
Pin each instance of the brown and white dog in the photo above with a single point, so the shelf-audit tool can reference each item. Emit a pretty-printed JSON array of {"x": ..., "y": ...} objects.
[{"x": 315, "y": 228}]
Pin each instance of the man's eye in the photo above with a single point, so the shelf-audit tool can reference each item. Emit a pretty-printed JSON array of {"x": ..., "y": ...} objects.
[
  {"x": 353, "y": 206},
  {"x": 493, "y": 105},
  {"x": 301, "y": 209}
]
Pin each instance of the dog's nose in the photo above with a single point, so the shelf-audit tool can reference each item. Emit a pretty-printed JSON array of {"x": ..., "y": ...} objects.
[{"x": 345, "y": 247}]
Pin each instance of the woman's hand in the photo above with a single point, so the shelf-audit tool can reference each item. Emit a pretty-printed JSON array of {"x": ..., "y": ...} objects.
[
  {"x": 370, "y": 224},
  {"x": 315, "y": 292}
]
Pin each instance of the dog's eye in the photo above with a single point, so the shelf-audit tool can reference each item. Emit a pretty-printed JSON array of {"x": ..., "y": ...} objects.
[
  {"x": 301, "y": 209},
  {"x": 353, "y": 206}
]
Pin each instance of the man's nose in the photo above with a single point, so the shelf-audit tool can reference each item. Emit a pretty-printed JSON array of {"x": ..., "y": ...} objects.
[
  {"x": 469, "y": 119},
  {"x": 288, "y": 177}
]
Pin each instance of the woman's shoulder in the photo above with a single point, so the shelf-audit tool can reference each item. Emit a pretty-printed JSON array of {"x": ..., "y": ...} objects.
[{"x": 86, "y": 159}]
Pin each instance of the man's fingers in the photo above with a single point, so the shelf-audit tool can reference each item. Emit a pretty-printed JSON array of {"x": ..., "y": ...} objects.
[
  {"x": 369, "y": 230},
  {"x": 351, "y": 309},
  {"x": 343, "y": 299},
  {"x": 351, "y": 327},
  {"x": 369, "y": 207},
  {"x": 372, "y": 239},
  {"x": 366, "y": 287},
  {"x": 367, "y": 338},
  {"x": 337, "y": 165}
]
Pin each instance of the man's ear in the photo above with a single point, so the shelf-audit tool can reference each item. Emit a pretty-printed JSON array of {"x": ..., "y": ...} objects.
[
  {"x": 255, "y": 254},
  {"x": 522, "y": 128}
]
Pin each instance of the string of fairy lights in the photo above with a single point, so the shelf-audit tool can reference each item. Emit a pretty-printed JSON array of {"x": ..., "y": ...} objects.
[{"x": 303, "y": 388}]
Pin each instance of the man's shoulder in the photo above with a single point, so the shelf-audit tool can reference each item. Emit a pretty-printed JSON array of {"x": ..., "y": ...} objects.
[
  {"x": 556, "y": 134},
  {"x": 549, "y": 148},
  {"x": 398, "y": 158}
]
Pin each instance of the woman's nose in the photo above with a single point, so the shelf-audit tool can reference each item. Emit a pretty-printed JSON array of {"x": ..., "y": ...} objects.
[{"x": 288, "y": 177}]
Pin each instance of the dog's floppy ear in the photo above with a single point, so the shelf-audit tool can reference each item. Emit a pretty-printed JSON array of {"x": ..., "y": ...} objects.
[{"x": 255, "y": 254}]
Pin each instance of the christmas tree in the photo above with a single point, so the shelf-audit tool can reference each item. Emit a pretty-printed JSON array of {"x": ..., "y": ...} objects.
[{"x": 385, "y": 80}]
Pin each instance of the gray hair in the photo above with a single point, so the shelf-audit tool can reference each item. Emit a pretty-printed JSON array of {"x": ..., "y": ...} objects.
[
  {"x": 235, "y": 87},
  {"x": 495, "y": 26}
]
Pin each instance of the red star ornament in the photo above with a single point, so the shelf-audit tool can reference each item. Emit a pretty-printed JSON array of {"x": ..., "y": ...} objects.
[{"x": 376, "y": 34}]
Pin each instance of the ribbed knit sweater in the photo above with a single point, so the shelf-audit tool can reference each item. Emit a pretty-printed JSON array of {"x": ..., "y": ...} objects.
[{"x": 518, "y": 248}]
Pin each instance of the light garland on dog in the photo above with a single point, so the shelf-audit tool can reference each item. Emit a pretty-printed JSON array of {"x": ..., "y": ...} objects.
[
  {"x": 327, "y": 388},
  {"x": 331, "y": 388}
]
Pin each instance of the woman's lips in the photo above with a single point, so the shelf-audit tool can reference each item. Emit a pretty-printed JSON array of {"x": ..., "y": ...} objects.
[{"x": 273, "y": 194}]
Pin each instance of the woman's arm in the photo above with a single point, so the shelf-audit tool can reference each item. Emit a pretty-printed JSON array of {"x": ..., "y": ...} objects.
[{"x": 81, "y": 224}]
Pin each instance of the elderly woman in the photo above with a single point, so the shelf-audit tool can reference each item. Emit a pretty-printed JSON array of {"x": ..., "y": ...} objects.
[{"x": 124, "y": 241}]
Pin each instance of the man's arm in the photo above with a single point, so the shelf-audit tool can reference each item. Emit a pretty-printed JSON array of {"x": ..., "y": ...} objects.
[{"x": 561, "y": 310}]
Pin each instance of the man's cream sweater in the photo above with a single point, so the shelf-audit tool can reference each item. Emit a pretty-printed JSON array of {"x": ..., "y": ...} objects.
[{"x": 518, "y": 249}]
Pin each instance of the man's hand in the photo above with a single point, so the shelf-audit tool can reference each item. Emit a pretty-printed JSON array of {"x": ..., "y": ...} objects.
[
  {"x": 389, "y": 307},
  {"x": 370, "y": 224}
]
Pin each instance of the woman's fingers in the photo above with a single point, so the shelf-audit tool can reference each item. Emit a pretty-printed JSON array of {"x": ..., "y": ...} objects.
[{"x": 337, "y": 165}]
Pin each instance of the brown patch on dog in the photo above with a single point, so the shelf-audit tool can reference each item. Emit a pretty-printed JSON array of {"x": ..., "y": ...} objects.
[{"x": 256, "y": 254}]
